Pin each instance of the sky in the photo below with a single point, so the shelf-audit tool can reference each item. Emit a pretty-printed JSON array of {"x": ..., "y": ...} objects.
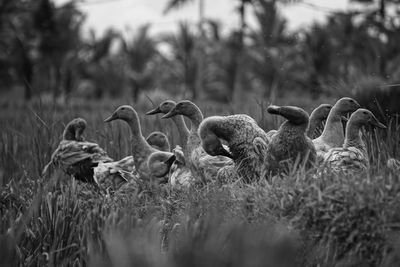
[{"x": 126, "y": 15}]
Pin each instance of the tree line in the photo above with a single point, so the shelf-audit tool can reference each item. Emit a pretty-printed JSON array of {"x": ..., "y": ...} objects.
[{"x": 43, "y": 50}]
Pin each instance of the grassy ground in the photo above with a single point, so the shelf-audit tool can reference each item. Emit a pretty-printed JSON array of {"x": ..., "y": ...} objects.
[{"x": 293, "y": 221}]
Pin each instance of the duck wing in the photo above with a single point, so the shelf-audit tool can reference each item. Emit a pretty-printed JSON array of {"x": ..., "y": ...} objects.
[
  {"x": 113, "y": 174},
  {"x": 75, "y": 157},
  {"x": 346, "y": 160},
  {"x": 72, "y": 152},
  {"x": 180, "y": 176}
]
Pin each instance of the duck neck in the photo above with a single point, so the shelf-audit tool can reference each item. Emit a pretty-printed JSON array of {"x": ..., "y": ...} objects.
[
  {"x": 290, "y": 129},
  {"x": 196, "y": 117},
  {"x": 354, "y": 135},
  {"x": 137, "y": 140},
  {"x": 69, "y": 133},
  {"x": 182, "y": 129},
  {"x": 333, "y": 131},
  {"x": 313, "y": 125}
]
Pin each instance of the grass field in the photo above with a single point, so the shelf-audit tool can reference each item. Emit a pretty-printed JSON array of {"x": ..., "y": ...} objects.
[{"x": 295, "y": 220}]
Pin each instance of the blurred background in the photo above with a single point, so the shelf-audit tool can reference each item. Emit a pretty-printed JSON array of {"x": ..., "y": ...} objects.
[{"x": 225, "y": 50}]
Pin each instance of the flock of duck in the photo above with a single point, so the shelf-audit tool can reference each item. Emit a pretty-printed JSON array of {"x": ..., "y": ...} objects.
[{"x": 221, "y": 148}]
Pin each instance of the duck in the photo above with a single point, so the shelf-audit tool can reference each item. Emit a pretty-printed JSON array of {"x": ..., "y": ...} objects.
[
  {"x": 193, "y": 113},
  {"x": 200, "y": 163},
  {"x": 165, "y": 107},
  {"x": 317, "y": 117},
  {"x": 141, "y": 150},
  {"x": 246, "y": 141},
  {"x": 290, "y": 143},
  {"x": 75, "y": 156},
  {"x": 352, "y": 157},
  {"x": 159, "y": 164},
  {"x": 332, "y": 135},
  {"x": 172, "y": 165},
  {"x": 110, "y": 176},
  {"x": 180, "y": 175},
  {"x": 159, "y": 141}
]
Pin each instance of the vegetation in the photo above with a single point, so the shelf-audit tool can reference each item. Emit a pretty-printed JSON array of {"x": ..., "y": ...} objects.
[
  {"x": 198, "y": 61},
  {"x": 295, "y": 220}
]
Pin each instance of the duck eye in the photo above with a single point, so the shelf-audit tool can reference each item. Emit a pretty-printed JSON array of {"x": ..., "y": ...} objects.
[{"x": 364, "y": 112}]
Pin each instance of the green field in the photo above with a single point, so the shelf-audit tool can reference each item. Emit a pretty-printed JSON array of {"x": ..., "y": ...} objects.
[{"x": 295, "y": 220}]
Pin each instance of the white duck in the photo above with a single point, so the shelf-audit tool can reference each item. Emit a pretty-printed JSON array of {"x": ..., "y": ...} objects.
[
  {"x": 353, "y": 156},
  {"x": 159, "y": 164},
  {"x": 317, "y": 117},
  {"x": 183, "y": 131},
  {"x": 141, "y": 150},
  {"x": 112, "y": 175},
  {"x": 201, "y": 165},
  {"x": 333, "y": 135},
  {"x": 180, "y": 175},
  {"x": 159, "y": 141}
]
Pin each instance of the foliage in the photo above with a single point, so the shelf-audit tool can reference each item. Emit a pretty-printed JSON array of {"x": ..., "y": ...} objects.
[
  {"x": 140, "y": 52},
  {"x": 45, "y": 51},
  {"x": 296, "y": 220}
]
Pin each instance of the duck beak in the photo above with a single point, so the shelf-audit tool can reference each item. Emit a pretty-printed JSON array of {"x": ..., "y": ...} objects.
[
  {"x": 170, "y": 161},
  {"x": 111, "y": 118},
  {"x": 157, "y": 110},
  {"x": 170, "y": 114},
  {"x": 274, "y": 109},
  {"x": 378, "y": 124},
  {"x": 344, "y": 119}
]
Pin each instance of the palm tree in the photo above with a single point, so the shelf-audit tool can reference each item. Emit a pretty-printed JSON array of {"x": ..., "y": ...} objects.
[
  {"x": 58, "y": 31},
  {"x": 140, "y": 51},
  {"x": 98, "y": 65},
  {"x": 270, "y": 47},
  {"x": 185, "y": 56},
  {"x": 16, "y": 42}
]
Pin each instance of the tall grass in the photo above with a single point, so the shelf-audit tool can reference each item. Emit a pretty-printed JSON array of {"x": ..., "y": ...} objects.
[{"x": 295, "y": 220}]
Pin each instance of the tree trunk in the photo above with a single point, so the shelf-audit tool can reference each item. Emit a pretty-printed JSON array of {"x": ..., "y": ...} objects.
[
  {"x": 382, "y": 58},
  {"x": 238, "y": 47},
  {"x": 27, "y": 74},
  {"x": 67, "y": 83},
  {"x": 200, "y": 54},
  {"x": 382, "y": 10},
  {"x": 135, "y": 91},
  {"x": 57, "y": 80}
]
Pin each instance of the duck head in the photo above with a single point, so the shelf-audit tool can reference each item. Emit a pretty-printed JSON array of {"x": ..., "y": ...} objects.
[
  {"x": 322, "y": 111},
  {"x": 74, "y": 130},
  {"x": 295, "y": 115},
  {"x": 213, "y": 146},
  {"x": 160, "y": 162},
  {"x": 163, "y": 108},
  {"x": 158, "y": 139},
  {"x": 184, "y": 107},
  {"x": 124, "y": 112},
  {"x": 346, "y": 105},
  {"x": 365, "y": 117}
]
